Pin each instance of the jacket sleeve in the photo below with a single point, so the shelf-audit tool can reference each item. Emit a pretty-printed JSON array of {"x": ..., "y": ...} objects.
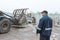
[{"x": 40, "y": 25}]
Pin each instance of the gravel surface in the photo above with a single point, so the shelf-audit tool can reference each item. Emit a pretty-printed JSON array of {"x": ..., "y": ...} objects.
[{"x": 27, "y": 33}]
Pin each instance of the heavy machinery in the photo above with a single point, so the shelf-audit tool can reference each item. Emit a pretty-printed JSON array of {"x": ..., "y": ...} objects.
[
  {"x": 18, "y": 18},
  {"x": 31, "y": 19}
]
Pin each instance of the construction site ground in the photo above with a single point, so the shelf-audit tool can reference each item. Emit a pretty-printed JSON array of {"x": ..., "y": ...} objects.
[{"x": 28, "y": 33}]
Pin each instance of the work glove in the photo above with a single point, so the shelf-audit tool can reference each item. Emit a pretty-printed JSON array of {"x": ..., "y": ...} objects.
[{"x": 38, "y": 31}]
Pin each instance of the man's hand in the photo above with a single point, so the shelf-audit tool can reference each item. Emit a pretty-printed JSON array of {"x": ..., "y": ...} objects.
[{"x": 37, "y": 31}]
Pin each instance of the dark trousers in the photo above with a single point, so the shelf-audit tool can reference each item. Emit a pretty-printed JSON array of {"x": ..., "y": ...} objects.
[{"x": 42, "y": 37}]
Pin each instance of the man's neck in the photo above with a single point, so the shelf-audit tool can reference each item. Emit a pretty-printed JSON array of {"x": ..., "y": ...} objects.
[{"x": 45, "y": 15}]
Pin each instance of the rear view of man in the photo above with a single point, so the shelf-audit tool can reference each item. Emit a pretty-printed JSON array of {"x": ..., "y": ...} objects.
[{"x": 45, "y": 26}]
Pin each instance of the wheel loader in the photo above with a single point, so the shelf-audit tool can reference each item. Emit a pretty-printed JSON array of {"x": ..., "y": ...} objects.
[{"x": 18, "y": 19}]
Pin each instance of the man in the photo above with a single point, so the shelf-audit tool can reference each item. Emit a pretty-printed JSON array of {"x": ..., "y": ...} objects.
[{"x": 45, "y": 26}]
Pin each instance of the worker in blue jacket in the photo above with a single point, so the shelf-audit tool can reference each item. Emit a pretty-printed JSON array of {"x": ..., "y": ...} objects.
[{"x": 45, "y": 26}]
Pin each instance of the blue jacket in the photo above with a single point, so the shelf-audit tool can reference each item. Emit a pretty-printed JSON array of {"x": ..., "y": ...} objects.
[{"x": 45, "y": 26}]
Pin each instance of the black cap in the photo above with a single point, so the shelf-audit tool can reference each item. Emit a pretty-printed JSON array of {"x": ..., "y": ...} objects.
[{"x": 45, "y": 12}]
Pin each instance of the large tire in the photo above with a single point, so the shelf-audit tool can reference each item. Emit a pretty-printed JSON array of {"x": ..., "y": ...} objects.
[{"x": 4, "y": 26}]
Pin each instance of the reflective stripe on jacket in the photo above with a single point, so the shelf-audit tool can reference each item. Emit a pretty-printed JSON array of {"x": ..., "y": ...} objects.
[{"x": 48, "y": 28}]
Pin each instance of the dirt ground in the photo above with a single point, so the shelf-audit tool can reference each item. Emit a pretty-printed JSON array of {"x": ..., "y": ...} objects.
[{"x": 28, "y": 33}]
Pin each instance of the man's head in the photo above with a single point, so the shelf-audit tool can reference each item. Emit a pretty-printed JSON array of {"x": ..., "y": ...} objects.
[{"x": 44, "y": 13}]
